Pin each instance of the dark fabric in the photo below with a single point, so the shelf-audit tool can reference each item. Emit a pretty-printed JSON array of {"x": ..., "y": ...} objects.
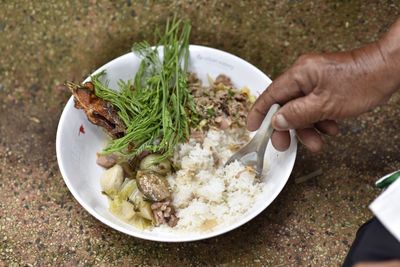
[{"x": 373, "y": 243}]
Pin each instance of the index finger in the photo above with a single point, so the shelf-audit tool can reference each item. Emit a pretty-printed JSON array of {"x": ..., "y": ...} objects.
[{"x": 282, "y": 90}]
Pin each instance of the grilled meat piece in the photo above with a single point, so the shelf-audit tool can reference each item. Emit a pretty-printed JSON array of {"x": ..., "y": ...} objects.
[{"x": 98, "y": 111}]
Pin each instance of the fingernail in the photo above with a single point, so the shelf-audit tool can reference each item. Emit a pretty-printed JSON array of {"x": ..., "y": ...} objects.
[
  {"x": 315, "y": 146},
  {"x": 281, "y": 122}
]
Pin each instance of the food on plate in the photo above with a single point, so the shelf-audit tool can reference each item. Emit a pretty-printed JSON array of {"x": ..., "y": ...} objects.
[
  {"x": 153, "y": 186},
  {"x": 156, "y": 108},
  {"x": 107, "y": 160},
  {"x": 111, "y": 180},
  {"x": 152, "y": 163},
  {"x": 170, "y": 137},
  {"x": 98, "y": 111}
]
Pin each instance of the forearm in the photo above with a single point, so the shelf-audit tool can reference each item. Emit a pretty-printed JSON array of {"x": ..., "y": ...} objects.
[{"x": 378, "y": 66}]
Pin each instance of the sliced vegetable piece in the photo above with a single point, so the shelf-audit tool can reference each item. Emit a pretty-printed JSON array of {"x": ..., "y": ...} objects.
[
  {"x": 115, "y": 206},
  {"x": 140, "y": 222},
  {"x": 111, "y": 180},
  {"x": 127, "y": 190},
  {"x": 127, "y": 210},
  {"x": 141, "y": 205},
  {"x": 145, "y": 210},
  {"x": 152, "y": 163},
  {"x": 122, "y": 208}
]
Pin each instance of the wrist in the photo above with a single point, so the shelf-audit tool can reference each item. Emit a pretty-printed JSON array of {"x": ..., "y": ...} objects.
[
  {"x": 377, "y": 73},
  {"x": 389, "y": 48}
]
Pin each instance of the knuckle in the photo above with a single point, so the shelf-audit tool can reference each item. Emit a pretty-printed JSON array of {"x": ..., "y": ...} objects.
[
  {"x": 296, "y": 108},
  {"x": 304, "y": 59},
  {"x": 259, "y": 110},
  {"x": 272, "y": 90},
  {"x": 325, "y": 106},
  {"x": 268, "y": 97},
  {"x": 298, "y": 76},
  {"x": 308, "y": 60},
  {"x": 306, "y": 70}
]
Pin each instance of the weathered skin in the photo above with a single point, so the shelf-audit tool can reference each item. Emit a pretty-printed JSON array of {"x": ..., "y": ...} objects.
[{"x": 319, "y": 89}]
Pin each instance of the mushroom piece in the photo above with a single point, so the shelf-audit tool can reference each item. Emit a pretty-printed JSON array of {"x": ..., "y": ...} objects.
[{"x": 153, "y": 186}]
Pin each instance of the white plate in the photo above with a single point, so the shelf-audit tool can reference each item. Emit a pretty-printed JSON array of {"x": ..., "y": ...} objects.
[{"x": 76, "y": 152}]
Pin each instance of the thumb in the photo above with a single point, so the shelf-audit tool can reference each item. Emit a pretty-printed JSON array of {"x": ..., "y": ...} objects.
[{"x": 298, "y": 113}]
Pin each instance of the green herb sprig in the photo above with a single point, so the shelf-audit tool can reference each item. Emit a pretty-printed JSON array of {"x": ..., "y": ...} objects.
[{"x": 156, "y": 107}]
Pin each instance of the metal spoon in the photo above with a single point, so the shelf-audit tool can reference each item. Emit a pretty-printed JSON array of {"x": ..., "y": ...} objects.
[{"x": 253, "y": 153}]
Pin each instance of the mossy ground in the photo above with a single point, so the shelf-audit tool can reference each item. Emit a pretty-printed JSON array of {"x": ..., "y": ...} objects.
[{"x": 44, "y": 43}]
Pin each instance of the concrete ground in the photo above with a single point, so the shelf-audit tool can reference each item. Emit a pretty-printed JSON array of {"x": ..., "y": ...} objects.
[{"x": 44, "y": 43}]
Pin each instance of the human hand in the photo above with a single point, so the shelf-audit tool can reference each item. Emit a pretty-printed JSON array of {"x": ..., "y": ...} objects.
[{"x": 320, "y": 89}]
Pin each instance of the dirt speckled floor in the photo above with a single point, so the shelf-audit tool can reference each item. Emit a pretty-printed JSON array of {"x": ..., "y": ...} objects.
[{"x": 44, "y": 43}]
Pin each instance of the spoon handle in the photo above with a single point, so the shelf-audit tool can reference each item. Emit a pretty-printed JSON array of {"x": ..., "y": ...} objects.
[
  {"x": 258, "y": 143},
  {"x": 263, "y": 136}
]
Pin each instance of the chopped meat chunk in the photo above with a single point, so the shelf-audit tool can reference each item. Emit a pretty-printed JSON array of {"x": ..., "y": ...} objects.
[
  {"x": 220, "y": 104},
  {"x": 106, "y": 161},
  {"x": 223, "y": 122},
  {"x": 197, "y": 135},
  {"x": 225, "y": 80},
  {"x": 164, "y": 213}
]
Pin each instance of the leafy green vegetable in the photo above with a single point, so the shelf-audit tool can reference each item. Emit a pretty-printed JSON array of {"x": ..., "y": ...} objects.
[
  {"x": 210, "y": 111},
  {"x": 157, "y": 107}
]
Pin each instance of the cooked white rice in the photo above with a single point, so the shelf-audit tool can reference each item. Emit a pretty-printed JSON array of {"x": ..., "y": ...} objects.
[{"x": 205, "y": 193}]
